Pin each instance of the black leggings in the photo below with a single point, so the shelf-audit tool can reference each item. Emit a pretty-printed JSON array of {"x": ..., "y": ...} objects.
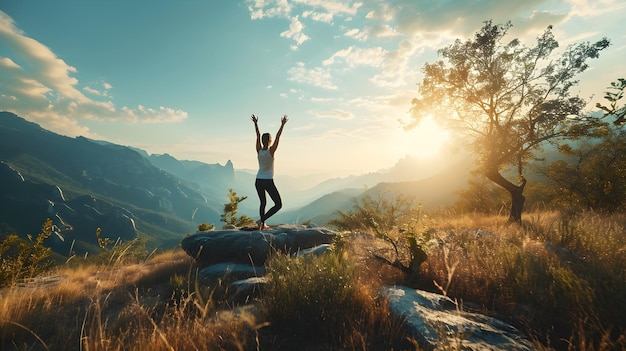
[{"x": 267, "y": 185}]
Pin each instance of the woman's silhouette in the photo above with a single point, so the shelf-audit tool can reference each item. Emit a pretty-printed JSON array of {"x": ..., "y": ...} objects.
[{"x": 265, "y": 149}]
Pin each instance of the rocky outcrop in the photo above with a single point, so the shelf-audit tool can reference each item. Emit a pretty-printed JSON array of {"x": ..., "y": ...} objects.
[
  {"x": 434, "y": 320},
  {"x": 252, "y": 247},
  {"x": 238, "y": 257}
]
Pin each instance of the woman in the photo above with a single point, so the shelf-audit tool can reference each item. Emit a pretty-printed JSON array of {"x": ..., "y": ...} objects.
[{"x": 265, "y": 176}]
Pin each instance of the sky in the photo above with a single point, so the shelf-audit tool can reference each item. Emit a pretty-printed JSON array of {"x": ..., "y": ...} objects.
[{"x": 183, "y": 77}]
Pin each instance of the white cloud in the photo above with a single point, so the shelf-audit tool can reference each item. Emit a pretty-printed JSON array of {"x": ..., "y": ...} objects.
[
  {"x": 149, "y": 115},
  {"x": 452, "y": 19},
  {"x": 356, "y": 56},
  {"x": 316, "y": 10},
  {"x": 592, "y": 8},
  {"x": 44, "y": 66},
  {"x": 260, "y": 9},
  {"x": 396, "y": 65},
  {"x": 315, "y": 76},
  {"x": 333, "y": 114},
  {"x": 356, "y": 34},
  {"x": 295, "y": 32},
  {"x": 104, "y": 92},
  {"x": 345, "y": 7},
  {"x": 383, "y": 31},
  {"x": 318, "y": 16},
  {"x": 39, "y": 85}
]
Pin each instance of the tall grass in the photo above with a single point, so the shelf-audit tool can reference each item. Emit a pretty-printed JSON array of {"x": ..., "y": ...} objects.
[
  {"x": 131, "y": 307},
  {"x": 560, "y": 279},
  {"x": 319, "y": 301}
]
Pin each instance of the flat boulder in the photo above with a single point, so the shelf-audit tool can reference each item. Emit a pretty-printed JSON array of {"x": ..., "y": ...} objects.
[
  {"x": 252, "y": 246},
  {"x": 434, "y": 320}
]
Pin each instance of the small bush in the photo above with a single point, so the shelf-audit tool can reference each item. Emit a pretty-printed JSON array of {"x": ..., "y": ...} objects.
[
  {"x": 397, "y": 221},
  {"x": 202, "y": 227},
  {"x": 229, "y": 217},
  {"x": 21, "y": 259}
]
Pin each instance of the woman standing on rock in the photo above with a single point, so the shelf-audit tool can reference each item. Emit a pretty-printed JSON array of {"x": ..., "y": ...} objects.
[{"x": 265, "y": 176}]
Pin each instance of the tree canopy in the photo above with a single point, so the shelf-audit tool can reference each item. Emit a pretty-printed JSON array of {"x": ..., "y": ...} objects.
[{"x": 506, "y": 99}]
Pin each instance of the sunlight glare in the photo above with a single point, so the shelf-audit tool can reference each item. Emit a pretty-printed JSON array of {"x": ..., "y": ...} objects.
[{"x": 425, "y": 141}]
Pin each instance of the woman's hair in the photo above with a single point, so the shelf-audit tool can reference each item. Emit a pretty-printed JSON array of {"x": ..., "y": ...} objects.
[{"x": 265, "y": 139}]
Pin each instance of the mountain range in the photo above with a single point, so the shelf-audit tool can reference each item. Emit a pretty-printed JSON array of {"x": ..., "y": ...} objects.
[{"x": 85, "y": 184}]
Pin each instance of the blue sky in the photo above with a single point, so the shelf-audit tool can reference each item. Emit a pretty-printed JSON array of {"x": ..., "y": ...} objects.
[{"x": 183, "y": 77}]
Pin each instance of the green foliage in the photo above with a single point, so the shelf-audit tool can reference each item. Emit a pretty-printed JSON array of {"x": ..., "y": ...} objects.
[
  {"x": 383, "y": 212},
  {"x": 204, "y": 227},
  {"x": 485, "y": 197},
  {"x": 131, "y": 251},
  {"x": 229, "y": 217},
  {"x": 481, "y": 196},
  {"x": 102, "y": 242},
  {"x": 316, "y": 289},
  {"x": 593, "y": 174},
  {"x": 613, "y": 95},
  {"x": 319, "y": 300},
  {"x": 394, "y": 220},
  {"x": 20, "y": 259}
]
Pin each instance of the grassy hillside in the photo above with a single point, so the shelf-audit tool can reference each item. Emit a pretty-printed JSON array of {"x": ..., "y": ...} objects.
[{"x": 560, "y": 280}]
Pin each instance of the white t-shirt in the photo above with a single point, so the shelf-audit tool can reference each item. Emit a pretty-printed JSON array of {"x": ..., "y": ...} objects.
[{"x": 266, "y": 165}]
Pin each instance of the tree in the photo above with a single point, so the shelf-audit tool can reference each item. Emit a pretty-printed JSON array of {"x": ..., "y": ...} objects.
[
  {"x": 508, "y": 100},
  {"x": 230, "y": 211},
  {"x": 593, "y": 174}
]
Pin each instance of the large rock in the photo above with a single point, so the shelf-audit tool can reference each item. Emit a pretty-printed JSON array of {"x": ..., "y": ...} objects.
[
  {"x": 434, "y": 320},
  {"x": 231, "y": 270},
  {"x": 252, "y": 247}
]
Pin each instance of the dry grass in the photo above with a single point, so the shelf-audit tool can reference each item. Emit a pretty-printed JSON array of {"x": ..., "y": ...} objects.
[
  {"x": 156, "y": 306},
  {"x": 130, "y": 307},
  {"x": 320, "y": 302},
  {"x": 561, "y": 280}
]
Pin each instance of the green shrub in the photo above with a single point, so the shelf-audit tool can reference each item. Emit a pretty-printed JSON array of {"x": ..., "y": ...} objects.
[
  {"x": 204, "y": 227},
  {"x": 229, "y": 217},
  {"x": 394, "y": 220},
  {"x": 21, "y": 259}
]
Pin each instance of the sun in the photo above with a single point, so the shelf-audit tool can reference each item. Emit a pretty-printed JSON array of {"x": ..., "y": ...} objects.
[{"x": 426, "y": 140}]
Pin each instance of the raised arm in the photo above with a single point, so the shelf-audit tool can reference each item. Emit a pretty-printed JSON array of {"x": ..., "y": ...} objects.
[
  {"x": 255, "y": 119},
  {"x": 274, "y": 146}
]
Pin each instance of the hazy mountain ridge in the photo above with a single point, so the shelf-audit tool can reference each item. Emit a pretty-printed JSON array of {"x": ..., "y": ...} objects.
[
  {"x": 169, "y": 197},
  {"x": 431, "y": 192},
  {"x": 161, "y": 203}
]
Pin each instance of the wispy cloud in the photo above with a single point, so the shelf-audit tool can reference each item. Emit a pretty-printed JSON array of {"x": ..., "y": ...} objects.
[
  {"x": 592, "y": 8},
  {"x": 316, "y": 76},
  {"x": 42, "y": 86},
  {"x": 295, "y": 32},
  {"x": 356, "y": 56},
  {"x": 315, "y": 10},
  {"x": 333, "y": 114}
]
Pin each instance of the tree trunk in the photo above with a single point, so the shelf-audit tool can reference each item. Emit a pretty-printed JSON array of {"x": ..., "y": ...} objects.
[{"x": 517, "y": 199}]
